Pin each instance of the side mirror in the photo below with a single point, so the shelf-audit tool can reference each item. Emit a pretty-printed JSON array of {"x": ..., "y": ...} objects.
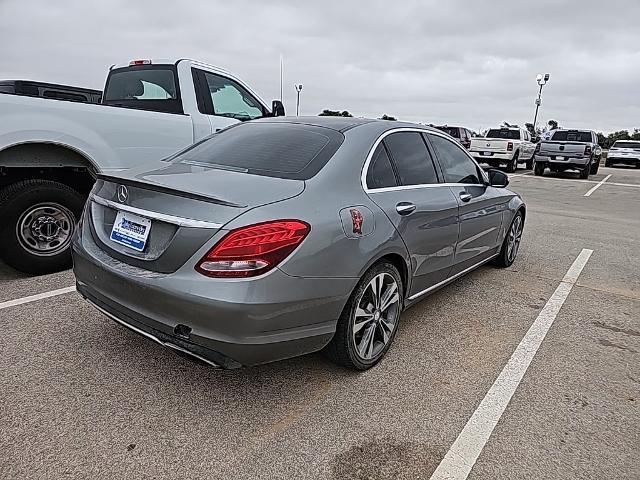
[
  {"x": 277, "y": 109},
  {"x": 497, "y": 178}
]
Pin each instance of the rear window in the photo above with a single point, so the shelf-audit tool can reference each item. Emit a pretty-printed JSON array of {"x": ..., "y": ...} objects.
[
  {"x": 282, "y": 150},
  {"x": 572, "y": 136},
  {"x": 503, "y": 133},
  {"x": 453, "y": 131},
  {"x": 635, "y": 145},
  {"x": 148, "y": 87}
]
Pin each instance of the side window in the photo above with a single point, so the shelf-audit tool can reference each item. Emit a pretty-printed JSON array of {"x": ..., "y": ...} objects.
[
  {"x": 457, "y": 167},
  {"x": 380, "y": 173},
  {"x": 412, "y": 158},
  {"x": 230, "y": 99}
]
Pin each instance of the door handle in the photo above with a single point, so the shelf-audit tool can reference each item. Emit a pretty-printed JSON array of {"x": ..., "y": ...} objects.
[
  {"x": 405, "y": 208},
  {"x": 465, "y": 197}
]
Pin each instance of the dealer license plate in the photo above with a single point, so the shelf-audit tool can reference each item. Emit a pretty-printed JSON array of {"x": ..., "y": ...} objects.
[{"x": 131, "y": 230}]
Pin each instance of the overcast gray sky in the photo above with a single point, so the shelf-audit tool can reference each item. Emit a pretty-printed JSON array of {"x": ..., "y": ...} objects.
[{"x": 458, "y": 62}]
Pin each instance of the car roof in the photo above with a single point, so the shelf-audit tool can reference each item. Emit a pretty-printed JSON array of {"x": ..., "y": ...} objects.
[{"x": 342, "y": 124}]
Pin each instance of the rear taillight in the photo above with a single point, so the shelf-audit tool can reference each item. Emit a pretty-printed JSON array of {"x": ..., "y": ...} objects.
[
  {"x": 510, "y": 147},
  {"x": 253, "y": 250},
  {"x": 587, "y": 150}
]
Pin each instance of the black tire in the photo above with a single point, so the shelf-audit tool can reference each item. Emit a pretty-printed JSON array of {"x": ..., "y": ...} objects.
[
  {"x": 594, "y": 168},
  {"x": 342, "y": 348},
  {"x": 512, "y": 166},
  {"x": 584, "y": 173},
  {"x": 638, "y": 165},
  {"x": 529, "y": 164},
  {"x": 607, "y": 163},
  {"x": 506, "y": 256},
  {"x": 46, "y": 205},
  {"x": 538, "y": 169}
]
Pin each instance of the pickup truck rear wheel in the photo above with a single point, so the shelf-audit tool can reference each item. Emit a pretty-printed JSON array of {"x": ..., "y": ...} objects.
[
  {"x": 584, "y": 173},
  {"x": 39, "y": 218},
  {"x": 513, "y": 164},
  {"x": 594, "y": 167},
  {"x": 538, "y": 169}
]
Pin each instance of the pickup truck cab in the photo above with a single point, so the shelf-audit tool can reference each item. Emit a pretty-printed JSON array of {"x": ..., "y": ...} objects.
[
  {"x": 569, "y": 150},
  {"x": 507, "y": 146},
  {"x": 51, "y": 150}
]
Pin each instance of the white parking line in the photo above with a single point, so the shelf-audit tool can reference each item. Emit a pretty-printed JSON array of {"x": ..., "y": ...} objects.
[
  {"x": 459, "y": 460},
  {"x": 39, "y": 296},
  {"x": 598, "y": 185}
]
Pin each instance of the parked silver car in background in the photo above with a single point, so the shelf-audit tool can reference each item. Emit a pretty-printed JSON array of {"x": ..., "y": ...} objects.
[{"x": 281, "y": 237}]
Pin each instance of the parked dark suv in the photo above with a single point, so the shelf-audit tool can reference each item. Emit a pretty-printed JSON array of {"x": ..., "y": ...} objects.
[{"x": 461, "y": 134}]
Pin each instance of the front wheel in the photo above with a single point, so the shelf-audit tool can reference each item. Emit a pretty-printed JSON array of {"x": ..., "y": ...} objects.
[
  {"x": 369, "y": 321},
  {"x": 511, "y": 243},
  {"x": 38, "y": 221}
]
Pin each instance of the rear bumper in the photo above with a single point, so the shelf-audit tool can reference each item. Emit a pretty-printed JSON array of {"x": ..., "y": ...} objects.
[
  {"x": 570, "y": 162},
  {"x": 231, "y": 323},
  {"x": 495, "y": 157},
  {"x": 611, "y": 159}
]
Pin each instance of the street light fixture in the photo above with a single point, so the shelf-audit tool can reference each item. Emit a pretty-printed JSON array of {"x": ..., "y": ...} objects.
[
  {"x": 542, "y": 79},
  {"x": 298, "y": 87}
]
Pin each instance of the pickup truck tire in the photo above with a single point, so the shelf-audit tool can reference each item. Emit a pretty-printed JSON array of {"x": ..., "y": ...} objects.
[
  {"x": 607, "y": 163},
  {"x": 584, "y": 173},
  {"x": 594, "y": 167},
  {"x": 529, "y": 164},
  {"x": 513, "y": 164},
  {"x": 538, "y": 169},
  {"x": 38, "y": 220}
]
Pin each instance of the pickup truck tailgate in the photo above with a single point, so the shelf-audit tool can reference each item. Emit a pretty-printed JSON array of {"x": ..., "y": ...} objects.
[
  {"x": 550, "y": 148},
  {"x": 489, "y": 145}
]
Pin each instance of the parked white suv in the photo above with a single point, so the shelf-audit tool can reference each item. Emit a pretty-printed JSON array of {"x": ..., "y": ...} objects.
[
  {"x": 507, "y": 146},
  {"x": 52, "y": 150}
]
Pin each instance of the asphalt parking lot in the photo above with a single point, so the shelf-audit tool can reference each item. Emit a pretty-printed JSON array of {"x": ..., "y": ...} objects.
[{"x": 82, "y": 397}]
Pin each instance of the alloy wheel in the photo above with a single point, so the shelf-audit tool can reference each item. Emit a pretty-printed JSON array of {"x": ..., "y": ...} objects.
[
  {"x": 376, "y": 316},
  {"x": 514, "y": 237}
]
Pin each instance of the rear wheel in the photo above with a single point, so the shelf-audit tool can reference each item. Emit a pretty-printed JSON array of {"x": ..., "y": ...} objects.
[
  {"x": 38, "y": 220},
  {"x": 594, "y": 167},
  {"x": 369, "y": 321},
  {"x": 512, "y": 166},
  {"x": 511, "y": 243},
  {"x": 529, "y": 164},
  {"x": 538, "y": 169},
  {"x": 584, "y": 173},
  {"x": 607, "y": 163}
]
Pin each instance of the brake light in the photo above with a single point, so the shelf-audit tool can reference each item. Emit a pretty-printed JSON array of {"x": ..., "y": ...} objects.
[
  {"x": 587, "y": 150},
  {"x": 139, "y": 62},
  {"x": 510, "y": 147},
  {"x": 253, "y": 250}
]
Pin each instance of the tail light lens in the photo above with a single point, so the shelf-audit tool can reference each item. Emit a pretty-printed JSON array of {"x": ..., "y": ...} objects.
[
  {"x": 253, "y": 250},
  {"x": 510, "y": 147},
  {"x": 587, "y": 150}
]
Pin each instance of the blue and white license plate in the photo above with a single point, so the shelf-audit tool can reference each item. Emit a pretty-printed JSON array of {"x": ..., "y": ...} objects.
[{"x": 131, "y": 230}]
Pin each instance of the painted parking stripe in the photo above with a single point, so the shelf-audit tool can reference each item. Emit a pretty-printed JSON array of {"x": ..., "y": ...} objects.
[
  {"x": 34, "y": 298},
  {"x": 598, "y": 185},
  {"x": 459, "y": 460}
]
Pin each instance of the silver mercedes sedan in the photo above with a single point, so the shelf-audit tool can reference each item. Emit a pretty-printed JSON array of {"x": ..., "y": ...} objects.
[{"x": 284, "y": 236}]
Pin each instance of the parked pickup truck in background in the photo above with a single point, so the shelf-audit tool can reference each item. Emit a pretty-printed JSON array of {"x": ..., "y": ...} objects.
[
  {"x": 569, "y": 150},
  {"x": 50, "y": 90},
  {"x": 624, "y": 152},
  {"x": 51, "y": 151},
  {"x": 504, "y": 146},
  {"x": 461, "y": 134}
]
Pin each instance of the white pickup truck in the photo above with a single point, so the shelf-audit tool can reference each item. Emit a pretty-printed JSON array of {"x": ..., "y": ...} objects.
[
  {"x": 51, "y": 150},
  {"x": 504, "y": 146}
]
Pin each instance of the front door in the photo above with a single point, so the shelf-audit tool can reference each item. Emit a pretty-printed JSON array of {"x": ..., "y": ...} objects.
[
  {"x": 480, "y": 205},
  {"x": 402, "y": 180}
]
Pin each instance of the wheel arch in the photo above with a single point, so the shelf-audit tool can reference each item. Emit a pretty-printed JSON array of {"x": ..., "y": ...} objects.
[{"x": 46, "y": 154}]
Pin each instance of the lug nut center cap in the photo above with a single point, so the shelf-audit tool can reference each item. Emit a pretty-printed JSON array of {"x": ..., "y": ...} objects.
[{"x": 376, "y": 316}]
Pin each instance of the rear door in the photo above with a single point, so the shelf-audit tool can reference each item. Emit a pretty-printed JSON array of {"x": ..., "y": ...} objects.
[
  {"x": 481, "y": 206},
  {"x": 402, "y": 180}
]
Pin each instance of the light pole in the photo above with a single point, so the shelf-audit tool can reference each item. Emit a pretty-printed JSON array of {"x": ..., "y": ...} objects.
[
  {"x": 542, "y": 80},
  {"x": 298, "y": 87}
]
